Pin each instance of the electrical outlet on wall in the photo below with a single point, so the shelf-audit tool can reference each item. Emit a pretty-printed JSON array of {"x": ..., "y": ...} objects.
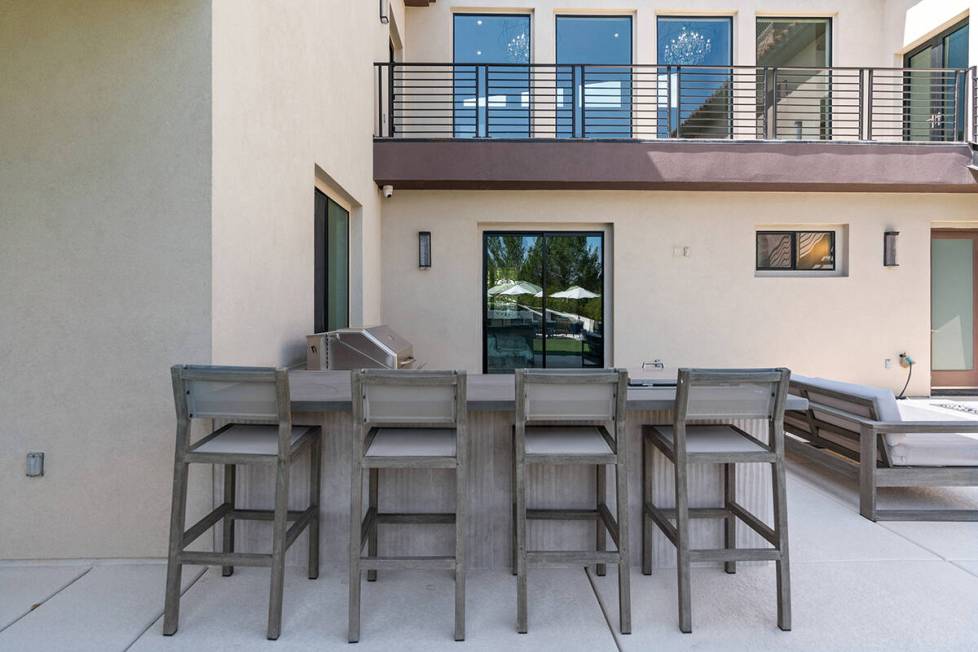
[{"x": 888, "y": 363}]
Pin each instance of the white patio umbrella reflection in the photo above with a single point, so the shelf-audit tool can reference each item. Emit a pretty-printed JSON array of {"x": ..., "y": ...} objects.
[{"x": 577, "y": 293}]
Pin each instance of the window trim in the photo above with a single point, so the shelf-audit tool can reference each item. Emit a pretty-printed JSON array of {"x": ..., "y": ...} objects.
[
  {"x": 321, "y": 285},
  {"x": 488, "y": 233},
  {"x": 936, "y": 39},
  {"x": 794, "y": 251}
]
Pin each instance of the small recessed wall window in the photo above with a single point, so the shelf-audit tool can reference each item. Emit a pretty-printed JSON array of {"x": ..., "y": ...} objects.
[{"x": 805, "y": 251}]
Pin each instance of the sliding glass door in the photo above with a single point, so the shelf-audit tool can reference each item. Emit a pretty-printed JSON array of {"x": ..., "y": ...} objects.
[
  {"x": 936, "y": 101},
  {"x": 543, "y": 304}
]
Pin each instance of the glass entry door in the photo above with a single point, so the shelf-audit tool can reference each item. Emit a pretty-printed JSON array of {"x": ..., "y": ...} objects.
[
  {"x": 953, "y": 286},
  {"x": 543, "y": 304},
  {"x": 936, "y": 100}
]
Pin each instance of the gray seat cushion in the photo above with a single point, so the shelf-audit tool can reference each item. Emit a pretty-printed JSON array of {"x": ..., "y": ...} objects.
[
  {"x": 713, "y": 439},
  {"x": 249, "y": 440},
  {"x": 565, "y": 440},
  {"x": 413, "y": 442}
]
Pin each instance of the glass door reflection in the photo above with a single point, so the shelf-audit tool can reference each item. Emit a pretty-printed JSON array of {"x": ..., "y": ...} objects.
[{"x": 543, "y": 303}]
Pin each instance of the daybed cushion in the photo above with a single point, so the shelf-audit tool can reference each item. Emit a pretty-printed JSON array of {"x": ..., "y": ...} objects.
[{"x": 934, "y": 449}]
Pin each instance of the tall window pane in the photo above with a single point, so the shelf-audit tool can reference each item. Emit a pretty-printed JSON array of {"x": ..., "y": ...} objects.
[
  {"x": 695, "y": 99},
  {"x": 800, "y": 48},
  {"x": 543, "y": 300},
  {"x": 332, "y": 265},
  {"x": 594, "y": 82},
  {"x": 491, "y": 99}
]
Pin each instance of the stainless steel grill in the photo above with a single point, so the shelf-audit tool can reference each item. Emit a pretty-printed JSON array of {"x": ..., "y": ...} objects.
[{"x": 374, "y": 347}]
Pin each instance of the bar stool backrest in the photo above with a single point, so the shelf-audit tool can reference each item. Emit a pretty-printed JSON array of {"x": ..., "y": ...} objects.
[
  {"x": 731, "y": 394},
  {"x": 570, "y": 396},
  {"x": 409, "y": 398},
  {"x": 236, "y": 394}
]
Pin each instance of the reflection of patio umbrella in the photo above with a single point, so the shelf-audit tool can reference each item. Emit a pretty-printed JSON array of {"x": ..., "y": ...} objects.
[
  {"x": 514, "y": 289},
  {"x": 577, "y": 293}
]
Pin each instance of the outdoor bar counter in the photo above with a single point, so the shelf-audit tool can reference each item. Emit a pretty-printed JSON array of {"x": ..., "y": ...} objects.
[{"x": 323, "y": 398}]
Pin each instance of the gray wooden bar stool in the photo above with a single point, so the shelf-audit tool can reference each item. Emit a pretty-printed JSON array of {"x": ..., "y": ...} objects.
[
  {"x": 572, "y": 417},
  {"x": 254, "y": 404},
  {"x": 407, "y": 420},
  {"x": 720, "y": 396}
]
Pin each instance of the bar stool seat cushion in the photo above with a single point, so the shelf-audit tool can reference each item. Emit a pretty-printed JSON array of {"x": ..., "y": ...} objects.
[
  {"x": 244, "y": 439},
  {"x": 565, "y": 440},
  {"x": 413, "y": 442},
  {"x": 712, "y": 439}
]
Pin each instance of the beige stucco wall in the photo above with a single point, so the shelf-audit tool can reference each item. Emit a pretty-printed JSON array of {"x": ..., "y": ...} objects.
[
  {"x": 105, "y": 261},
  {"x": 293, "y": 93},
  {"x": 705, "y": 310}
]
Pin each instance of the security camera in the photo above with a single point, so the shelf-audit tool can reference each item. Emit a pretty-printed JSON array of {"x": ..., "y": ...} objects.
[{"x": 388, "y": 191}]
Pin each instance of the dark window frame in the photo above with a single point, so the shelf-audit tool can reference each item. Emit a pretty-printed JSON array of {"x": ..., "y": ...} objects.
[
  {"x": 677, "y": 128},
  {"x": 575, "y": 121},
  {"x": 935, "y": 41},
  {"x": 321, "y": 263},
  {"x": 793, "y": 233},
  {"x": 827, "y": 110},
  {"x": 540, "y": 234},
  {"x": 479, "y": 85}
]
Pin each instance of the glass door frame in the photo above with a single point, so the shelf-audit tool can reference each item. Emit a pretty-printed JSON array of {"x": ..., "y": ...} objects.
[
  {"x": 967, "y": 377},
  {"x": 542, "y": 233},
  {"x": 937, "y": 45},
  {"x": 321, "y": 280}
]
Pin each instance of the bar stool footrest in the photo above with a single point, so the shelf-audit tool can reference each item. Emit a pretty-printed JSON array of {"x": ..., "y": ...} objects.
[
  {"x": 224, "y": 558},
  {"x": 570, "y": 558},
  {"x": 407, "y": 563}
]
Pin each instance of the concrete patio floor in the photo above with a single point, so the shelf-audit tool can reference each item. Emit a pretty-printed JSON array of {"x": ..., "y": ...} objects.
[{"x": 856, "y": 585}]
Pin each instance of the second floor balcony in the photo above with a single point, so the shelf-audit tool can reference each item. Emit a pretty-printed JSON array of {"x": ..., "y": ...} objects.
[{"x": 874, "y": 128}]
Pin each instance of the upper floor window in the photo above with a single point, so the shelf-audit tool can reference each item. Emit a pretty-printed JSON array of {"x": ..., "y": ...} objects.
[
  {"x": 696, "y": 99},
  {"x": 800, "y": 90},
  {"x": 491, "y": 97},
  {"x": 594, "y": 55}
]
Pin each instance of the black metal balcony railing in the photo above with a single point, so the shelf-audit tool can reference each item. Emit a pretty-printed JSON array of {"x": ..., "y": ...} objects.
[{"x": 521, "y": 101}]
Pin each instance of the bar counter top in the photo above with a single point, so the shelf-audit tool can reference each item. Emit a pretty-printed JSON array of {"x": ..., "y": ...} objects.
[{"x": 329, "y": 391}]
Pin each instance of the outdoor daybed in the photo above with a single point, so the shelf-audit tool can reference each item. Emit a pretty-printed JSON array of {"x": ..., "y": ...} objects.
[{"x": 866, "y": 434}]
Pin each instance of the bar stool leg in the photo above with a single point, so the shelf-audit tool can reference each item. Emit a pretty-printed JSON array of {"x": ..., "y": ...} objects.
[
  {"x": 682, "y": 549},
  {"x": 601, "y": 498},
  {"x": 513, "y": 494},
  {"x": 521, "y": 607},
  {"x": 730, "y": 522},
  {"x": 461, "y": 500},
  {"x": 227, "y": 529},
  {"x": 781, "y": 527},
  {"x": 646, "y": 500},
  {"x": 279, "y": 526},
  {"x": 178, "y": 513},
  {"x": 315, "y": 483},
  {"x": 624, "y": 567},
  {"x": 373, "y": 492},
  {"x": 356, "y": 517}
]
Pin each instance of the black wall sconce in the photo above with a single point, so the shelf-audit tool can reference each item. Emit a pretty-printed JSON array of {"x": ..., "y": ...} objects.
[
  {"x": 384, "y": 11},
  {"x": 890, "y": 249},
  {"x": 424, "y": 249}
]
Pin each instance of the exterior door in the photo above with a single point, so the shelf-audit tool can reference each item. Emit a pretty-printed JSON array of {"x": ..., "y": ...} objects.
[{"x": 953, "y": 302}]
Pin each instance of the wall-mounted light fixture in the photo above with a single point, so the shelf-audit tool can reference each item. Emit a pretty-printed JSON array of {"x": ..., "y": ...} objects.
[
  {"x": 385, "y": 11},
  {"x": 424, "y": 249},
  {"x": 890, "y": 249}
]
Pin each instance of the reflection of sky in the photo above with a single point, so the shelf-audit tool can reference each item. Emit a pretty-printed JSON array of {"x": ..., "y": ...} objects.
[
  {"x": 607, "y": 39},
  {"x": 492, "y": 39}
]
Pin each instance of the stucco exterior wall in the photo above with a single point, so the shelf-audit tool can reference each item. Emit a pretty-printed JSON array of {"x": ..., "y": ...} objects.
[
  {"x": 105, "y": 260},
  {"x": 293, "y": 92},
  {"x": 708, "y": 309}
]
